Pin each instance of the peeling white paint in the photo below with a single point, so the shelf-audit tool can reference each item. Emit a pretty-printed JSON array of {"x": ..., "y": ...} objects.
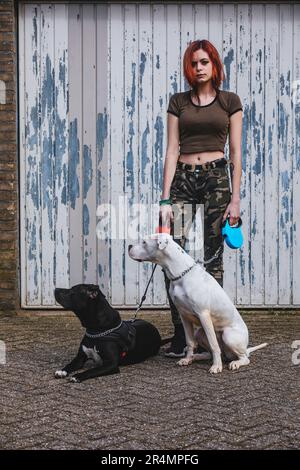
[
  {"x": 2, "y": 92},
  {"x": 95, "y": 82}
]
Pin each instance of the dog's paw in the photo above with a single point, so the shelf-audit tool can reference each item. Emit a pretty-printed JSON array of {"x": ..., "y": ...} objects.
[
  {"x": 215, "y": 369},
  {"x": 60, "y": 374},
  {"x": 74, "y": 379},
  {"x": 234, "y": 365},
  {"x": 185, "y": 361}
]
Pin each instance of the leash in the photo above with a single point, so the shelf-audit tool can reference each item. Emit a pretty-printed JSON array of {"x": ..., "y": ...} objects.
[
  {"x": 145, "y": 293},
  {"x": 211, "y": 259}
]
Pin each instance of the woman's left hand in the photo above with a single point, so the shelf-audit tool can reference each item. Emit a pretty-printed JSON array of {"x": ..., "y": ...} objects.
[{"x": 233, "y": 209}]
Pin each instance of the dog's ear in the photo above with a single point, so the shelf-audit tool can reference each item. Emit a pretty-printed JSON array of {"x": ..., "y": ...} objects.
[
  {"x": 93, "y": 292},
  {"x": 162, "y": 242}
]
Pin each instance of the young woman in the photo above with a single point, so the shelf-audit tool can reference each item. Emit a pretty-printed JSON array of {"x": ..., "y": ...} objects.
[{"x": 195, "y": 170}]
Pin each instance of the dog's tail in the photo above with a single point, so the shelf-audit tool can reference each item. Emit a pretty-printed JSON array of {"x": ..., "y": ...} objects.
[
  {"x": 166, "y": 341},
  {"x": 255, "y": 348}
]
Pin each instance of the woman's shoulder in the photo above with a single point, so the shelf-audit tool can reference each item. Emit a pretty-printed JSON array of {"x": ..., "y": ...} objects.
[
  {"x": 177, "y": 102},
  {"x": 230, "y": 101},
  {"x": 227, "y": 94},
  {"x": 180, "y": 96}
]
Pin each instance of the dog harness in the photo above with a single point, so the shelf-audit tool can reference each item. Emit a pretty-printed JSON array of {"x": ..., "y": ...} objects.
[{"x": 123, "y": 334}]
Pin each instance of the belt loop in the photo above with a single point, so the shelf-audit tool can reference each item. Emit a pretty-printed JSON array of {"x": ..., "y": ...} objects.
[{"x": 193, "y": 167}]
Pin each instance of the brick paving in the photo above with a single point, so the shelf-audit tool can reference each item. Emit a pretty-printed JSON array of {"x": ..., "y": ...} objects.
[{"x": 156, "y": 405}]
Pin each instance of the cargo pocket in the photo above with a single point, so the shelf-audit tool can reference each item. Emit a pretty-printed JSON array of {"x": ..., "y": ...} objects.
[
  {"x": 175, "y": 182},
  {"x": 218, "y": 172}
]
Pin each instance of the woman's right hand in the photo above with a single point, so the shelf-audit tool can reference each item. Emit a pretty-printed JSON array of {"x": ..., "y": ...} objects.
[{"x": 166, "y": 216}]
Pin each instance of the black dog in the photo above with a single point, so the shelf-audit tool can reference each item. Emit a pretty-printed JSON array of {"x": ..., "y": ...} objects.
[{"x": 108, "y": 341}]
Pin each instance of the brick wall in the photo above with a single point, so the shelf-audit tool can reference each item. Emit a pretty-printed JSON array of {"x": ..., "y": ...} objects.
[{"x": 9, "y": 233}]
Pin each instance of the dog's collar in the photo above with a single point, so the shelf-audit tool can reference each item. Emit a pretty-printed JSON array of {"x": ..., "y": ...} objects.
[
  {"x": 183, "y": 273},
  {"x": 103, "y": 333}
]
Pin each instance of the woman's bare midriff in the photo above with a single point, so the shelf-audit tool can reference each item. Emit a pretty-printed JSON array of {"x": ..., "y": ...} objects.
[{"x": 200, "y": 157}]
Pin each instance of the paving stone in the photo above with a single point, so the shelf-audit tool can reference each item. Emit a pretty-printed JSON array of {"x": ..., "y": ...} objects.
[{"x": 154, "y": 405}]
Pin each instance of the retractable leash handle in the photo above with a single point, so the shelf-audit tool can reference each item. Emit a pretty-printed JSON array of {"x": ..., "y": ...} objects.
[{"x": 232, "y": 234}]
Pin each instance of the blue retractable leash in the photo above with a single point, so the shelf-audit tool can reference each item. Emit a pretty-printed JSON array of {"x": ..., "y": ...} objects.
[{"x": 232, "y": 234}]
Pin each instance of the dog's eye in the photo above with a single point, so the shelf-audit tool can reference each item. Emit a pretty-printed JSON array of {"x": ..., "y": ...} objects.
[{"x": 93, "y": 294}]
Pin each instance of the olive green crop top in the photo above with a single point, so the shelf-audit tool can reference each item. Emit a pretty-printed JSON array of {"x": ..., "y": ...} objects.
[{"x": 203, "y": 128}]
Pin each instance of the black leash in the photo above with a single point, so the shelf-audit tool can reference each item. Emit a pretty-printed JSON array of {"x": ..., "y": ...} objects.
[{"x": 144, "y": 296}]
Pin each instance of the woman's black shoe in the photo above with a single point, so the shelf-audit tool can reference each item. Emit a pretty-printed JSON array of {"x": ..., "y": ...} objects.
[{"x": 178, "y": 344}]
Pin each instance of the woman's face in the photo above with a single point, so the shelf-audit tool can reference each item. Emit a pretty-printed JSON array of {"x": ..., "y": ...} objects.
[{"x": 202, "y": 65}]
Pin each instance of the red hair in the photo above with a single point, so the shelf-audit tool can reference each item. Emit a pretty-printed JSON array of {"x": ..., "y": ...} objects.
[{"x": 217, "y": 68}]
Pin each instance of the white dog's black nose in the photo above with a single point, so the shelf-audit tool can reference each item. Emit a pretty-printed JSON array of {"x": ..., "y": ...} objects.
[{"x": 129, "y": 247}]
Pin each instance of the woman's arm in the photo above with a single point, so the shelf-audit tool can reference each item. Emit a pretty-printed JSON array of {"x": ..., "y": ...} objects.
[
  {"x": 235, "y": 155},
  {"x": 172, "y": 154}
]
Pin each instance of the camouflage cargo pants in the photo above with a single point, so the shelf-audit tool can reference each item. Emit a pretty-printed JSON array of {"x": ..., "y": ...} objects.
[{"x": 211, "y": 188}]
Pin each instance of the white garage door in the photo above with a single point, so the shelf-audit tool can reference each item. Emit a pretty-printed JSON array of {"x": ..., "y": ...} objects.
[{"x": 94, "y": 84}]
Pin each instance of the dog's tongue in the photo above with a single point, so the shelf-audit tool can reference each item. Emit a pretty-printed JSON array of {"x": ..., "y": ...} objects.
[{"x": 163, "y": 229}]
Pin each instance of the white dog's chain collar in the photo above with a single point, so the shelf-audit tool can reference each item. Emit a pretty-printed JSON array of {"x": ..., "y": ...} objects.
[{"x": 183, "y": 273}]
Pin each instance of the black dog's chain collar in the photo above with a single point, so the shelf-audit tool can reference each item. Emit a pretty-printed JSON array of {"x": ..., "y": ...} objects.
[{"x": 104, "y": 333}]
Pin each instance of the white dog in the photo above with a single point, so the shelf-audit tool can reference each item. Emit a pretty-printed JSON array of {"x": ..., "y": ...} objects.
[{"x": 200, "y": 301}]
